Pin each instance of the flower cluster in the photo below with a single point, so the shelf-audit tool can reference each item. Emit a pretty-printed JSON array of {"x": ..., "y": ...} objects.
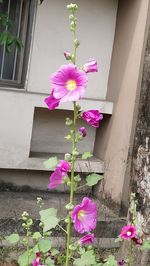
[{"x": 57, "y": 177}]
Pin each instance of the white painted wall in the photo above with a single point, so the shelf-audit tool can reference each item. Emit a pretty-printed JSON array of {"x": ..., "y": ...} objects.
[
  {"x": 96, "y": 24},
  {"x": 50, "y": 39}
]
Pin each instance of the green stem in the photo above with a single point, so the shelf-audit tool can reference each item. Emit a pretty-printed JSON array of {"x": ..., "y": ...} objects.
[
  {"x": 27, "y": 247},
  {"x": 68, "y": 253},
  {"x": 72, "y": 184},
  {"x": 130, "y": 253}
]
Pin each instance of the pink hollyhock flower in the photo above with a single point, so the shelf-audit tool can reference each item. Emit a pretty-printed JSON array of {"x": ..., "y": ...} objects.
[
  {"x": 87, "y": 239},
  {"x": 91, "y": 66},
  {"x": 57, "y": 177},
  {"x": 69, "y": 83},
  {"x": 64, "y": 167},
  {"x": 51, "y": 102},
  {"x": 83, "y": 131},
  {"x": 36, "y": 261},
  {"x": 92, "y": 117},
  {"x": 84, "y": 216},
  {"x": 128, "y": 232}
]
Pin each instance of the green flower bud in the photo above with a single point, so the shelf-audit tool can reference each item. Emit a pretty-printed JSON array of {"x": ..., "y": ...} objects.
[
  {"x": 68, "y": 121},
  {"x": 69, "y": 207},
  {"x": 77, "y": 178},
  {"x": 68, "y": 157},
  {"x": 66, "y": 220},
  {"x": 75, "y": 152},
  {"x": 76, "y": 42}
]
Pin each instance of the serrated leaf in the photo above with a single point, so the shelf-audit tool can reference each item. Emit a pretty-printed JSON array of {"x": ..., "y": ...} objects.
[
  {"x": 93, "y": 179},
  {"x": 45, "y": 245},
  {"x": 86, "y": 259},
  {"x": 36, "y": 235},
  {"x": 49, "y": 219},
  {"x": 86, "y": 155},
  {"x": 51, "y": 163},
  {"x": 13, "y": 238}
]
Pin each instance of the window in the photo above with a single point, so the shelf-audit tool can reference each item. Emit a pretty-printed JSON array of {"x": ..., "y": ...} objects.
[{"x": 13, "y": 65}]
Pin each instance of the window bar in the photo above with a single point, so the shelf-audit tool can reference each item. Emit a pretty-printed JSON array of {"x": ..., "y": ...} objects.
[
  {"x": 3, "y": 56},
  {"x": 18, "y": 31}
]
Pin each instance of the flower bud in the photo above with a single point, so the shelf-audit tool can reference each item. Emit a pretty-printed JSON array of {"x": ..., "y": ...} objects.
[
  {"x": 69, "y": 207},
  {"x": 72, "y": 7},
  {"x": 76, "y": 42},
  {"x": 68, "y": 157},
  {"x": 83, "y": 131},
  {"x": 67, "y": 55},
  {"x": 90, "y": 66},
  {"x": 68, "y": 121}
]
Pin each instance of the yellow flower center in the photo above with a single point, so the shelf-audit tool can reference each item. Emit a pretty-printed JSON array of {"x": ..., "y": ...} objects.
[
  {"x": 81, "y": 214},
  {"x": 71, "y": 85},
  {"x": 128, "y": 233}
]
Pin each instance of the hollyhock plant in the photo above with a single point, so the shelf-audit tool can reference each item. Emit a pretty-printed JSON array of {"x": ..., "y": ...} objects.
[
  {"x": 90, "y": 66},
  {"x": 51, "y": 102},
  {"x": 57, "y": 177},
  {"x": 69, "y": 83},
  {"x": 128, "y": 232},
  {"x": 84, "y": 216},
  {"x": 83, "y": 131},
  {"x": 92, "y": 117},
  {"x": 87, "y": 239}
]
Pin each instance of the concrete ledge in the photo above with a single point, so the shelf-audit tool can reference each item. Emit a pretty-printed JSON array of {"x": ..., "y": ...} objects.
[{"x": 82, "y": 166}]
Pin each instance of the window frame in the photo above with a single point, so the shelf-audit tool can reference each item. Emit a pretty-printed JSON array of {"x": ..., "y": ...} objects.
[{"x": 27, "y": 35}]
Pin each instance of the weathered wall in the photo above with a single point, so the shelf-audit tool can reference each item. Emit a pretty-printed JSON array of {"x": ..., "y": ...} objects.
[
  {"x": 115, "y": 141},
  {"x": 141, "y": 153}
]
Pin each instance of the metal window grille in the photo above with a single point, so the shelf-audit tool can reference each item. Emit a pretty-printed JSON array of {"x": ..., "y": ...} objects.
[{"x": 13, "y": 65}]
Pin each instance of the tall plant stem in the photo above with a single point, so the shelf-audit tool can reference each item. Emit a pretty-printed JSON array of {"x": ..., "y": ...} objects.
[
  {"x": 130, "y": 253},
  {"x": 72, "y": 183},
  {"x": 73, "y": 160}
]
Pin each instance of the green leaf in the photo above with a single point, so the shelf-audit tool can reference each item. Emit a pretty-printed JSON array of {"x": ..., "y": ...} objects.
[
  {"x": 12, "y": 239},
  {"x": 51, "y": 163},
  {"x": 49, "y": 219},
  {"x": 36, "y": 235},
  {"x": 111, "y": 261},
  {"x": 86, "y": 259},
  {"x": 54, "y": 252},
  {"x": 49, "y": 262},
  {"x": 23, "y": 259},
  {"x": 45, "y": 245},
  {"x": 93, "y": 179},
  {"x": 86, "y": 155},
  {"x": 145, "y": 245}
]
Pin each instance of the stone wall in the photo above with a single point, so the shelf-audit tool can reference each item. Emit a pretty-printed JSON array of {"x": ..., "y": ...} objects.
[{"x": 141, "y": 152}]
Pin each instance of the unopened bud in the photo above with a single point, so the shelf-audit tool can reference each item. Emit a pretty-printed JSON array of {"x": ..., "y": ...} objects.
[
  {"x": 76, "y": 42},
  {"x": 69, "y": 206}
]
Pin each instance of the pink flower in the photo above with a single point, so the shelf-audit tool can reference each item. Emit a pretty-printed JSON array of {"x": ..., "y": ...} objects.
[
  {"x": 122, "y": 262},
  {"x": 84, "y": 216},
  {"x": 36, "y": 261},
  {"x": 69, "y": 83},
  {"x": 91, "y": 66},
  {"x": 51, "y": 102},
  {"x": 57, "y": 177},
  {"x": 64, "y": 167},
  {"x": 128, "y": 232},
  {"x": 87, "y": 239},
  {"x": 83, "y": 131},
  {"x": 92, "y": 117}
]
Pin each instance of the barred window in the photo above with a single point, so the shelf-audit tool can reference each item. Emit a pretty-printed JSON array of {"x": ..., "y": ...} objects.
[{"x": 13, "y": 64}]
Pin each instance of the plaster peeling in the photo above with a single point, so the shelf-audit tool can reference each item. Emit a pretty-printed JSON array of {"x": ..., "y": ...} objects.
[{"x": 143, "y": 186}]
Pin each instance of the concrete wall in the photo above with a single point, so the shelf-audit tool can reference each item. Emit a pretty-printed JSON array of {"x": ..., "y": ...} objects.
[
  {"x": 51, "y": 37},
  {"x": 96, "y": 22},
  {"x": 115, "y": 140}
]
